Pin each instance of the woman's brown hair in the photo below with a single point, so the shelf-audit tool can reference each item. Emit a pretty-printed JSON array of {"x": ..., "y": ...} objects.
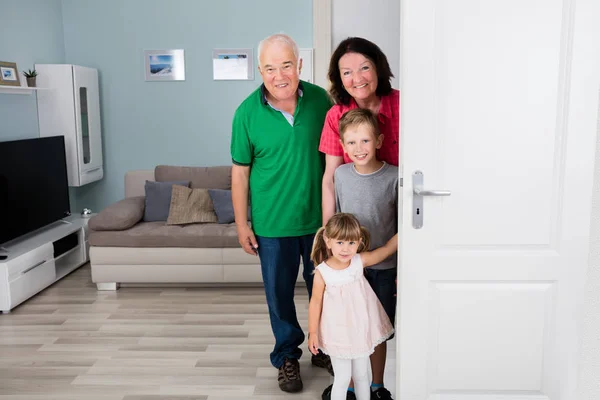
[
  {"x": 342, "y": 226},
  {"x": 371, "y": 51}
]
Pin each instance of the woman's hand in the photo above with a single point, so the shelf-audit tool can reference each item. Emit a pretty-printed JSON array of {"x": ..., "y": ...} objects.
[{"x": 313, "y": 343}]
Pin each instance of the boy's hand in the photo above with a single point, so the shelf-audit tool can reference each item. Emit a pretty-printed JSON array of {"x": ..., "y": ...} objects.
[{"x": 313, "y": 343}]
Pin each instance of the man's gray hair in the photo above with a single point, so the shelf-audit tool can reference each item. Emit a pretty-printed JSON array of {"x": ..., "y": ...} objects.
[{"x": 282, "y": 38}]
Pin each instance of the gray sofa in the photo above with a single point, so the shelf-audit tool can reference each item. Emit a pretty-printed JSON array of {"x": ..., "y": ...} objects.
[{"x": 126, "y": 250}]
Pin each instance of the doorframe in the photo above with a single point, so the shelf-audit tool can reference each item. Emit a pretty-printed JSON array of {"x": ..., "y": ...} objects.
[{"x": 322, "y": 14}]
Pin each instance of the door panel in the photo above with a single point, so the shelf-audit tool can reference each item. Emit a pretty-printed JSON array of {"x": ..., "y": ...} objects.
[{"x": 476, "y": 321}]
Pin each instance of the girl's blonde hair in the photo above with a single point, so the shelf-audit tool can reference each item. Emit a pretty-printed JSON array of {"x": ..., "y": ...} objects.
[{"x": 341, "y": 226}]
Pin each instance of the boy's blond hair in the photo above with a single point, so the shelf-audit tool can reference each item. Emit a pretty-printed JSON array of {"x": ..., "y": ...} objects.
[{"x": 359, "y": 116}]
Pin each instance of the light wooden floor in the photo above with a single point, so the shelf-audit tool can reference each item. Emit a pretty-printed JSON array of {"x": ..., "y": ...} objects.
[{"x": 72, "y": 342}]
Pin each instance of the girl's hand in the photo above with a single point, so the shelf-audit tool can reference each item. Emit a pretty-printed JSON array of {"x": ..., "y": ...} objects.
[{"x": 313, "y": 343}]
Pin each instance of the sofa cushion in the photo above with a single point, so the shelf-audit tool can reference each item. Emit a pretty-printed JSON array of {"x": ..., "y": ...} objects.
[
  {"x": 119, "y": 216},
  {"x": 200, "y": 177},
  {"x": 190, "y": 206},
  {"x": 223, "y": 205},
  {"x": 158, "y": 234},
  {"x": 158, "y": 199}
]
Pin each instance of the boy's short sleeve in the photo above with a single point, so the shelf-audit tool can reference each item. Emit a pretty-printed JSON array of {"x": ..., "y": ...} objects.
[
  {"x": 330, "y": 136},
  {"x": 241, "y": 147}
]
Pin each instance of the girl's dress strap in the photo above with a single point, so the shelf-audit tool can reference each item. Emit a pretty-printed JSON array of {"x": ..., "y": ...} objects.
[
  {"x": 324, "y": 270},
  {"x": 357, "y": 262}
]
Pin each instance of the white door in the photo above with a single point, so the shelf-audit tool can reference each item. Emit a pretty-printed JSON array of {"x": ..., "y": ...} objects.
[{"x": 499, "y": 107}]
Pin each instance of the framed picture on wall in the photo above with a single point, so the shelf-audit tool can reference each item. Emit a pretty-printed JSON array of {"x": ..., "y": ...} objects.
[
  {"x": 9, "y": 74},
  {"x": 164, "y": 65},
  {"x": 233, "y": 65}
]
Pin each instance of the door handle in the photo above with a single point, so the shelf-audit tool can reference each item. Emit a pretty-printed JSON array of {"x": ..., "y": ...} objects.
[{"x": 418, "y": 193}]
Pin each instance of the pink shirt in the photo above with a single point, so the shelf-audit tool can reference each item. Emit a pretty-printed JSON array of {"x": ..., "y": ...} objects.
[{"x": 389, "y": 124}]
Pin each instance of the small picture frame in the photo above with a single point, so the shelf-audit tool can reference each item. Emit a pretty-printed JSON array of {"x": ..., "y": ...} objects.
[
  {"x": 9, "y": 74},
  {"x": 233, "y": 65},
  {"x": 164, "y": 65}
]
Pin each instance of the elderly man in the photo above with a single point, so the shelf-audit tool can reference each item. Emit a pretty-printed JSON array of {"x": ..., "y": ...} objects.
[{"x": 276, "y": 160}]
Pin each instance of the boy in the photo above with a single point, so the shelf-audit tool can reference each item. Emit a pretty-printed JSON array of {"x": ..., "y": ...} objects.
[{"x": 368, "y": 188}]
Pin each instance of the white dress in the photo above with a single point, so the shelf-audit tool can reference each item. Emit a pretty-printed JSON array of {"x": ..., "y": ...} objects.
[{"x": 353, "y": 321}]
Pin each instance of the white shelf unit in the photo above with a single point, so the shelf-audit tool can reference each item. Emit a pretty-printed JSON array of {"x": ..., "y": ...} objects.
[
  {"x": 33, "y": 262},
  {"x": 19, "y": 89},
  {"x": 72, "y": 109}
]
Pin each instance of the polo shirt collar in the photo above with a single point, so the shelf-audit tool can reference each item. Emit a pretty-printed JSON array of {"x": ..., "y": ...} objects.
[{"x": 263, "y": 92}]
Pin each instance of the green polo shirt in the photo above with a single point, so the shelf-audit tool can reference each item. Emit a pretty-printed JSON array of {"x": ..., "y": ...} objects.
[{"x": 286, "y": 167}]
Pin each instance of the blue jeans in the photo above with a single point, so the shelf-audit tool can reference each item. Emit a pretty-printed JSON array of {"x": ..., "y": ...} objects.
[{"x": 280, "y": 260}]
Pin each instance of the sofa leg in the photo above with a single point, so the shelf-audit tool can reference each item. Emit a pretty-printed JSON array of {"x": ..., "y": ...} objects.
[{"x": 107, "y": 286}]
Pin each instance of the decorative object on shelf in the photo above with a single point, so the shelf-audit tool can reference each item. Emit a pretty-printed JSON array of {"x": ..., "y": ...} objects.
[
  {"x": 9, "y": 75},
  {"x": 86, "y": 213},
  {"x": 30, "y": 75},
  {"x": 164, "y": 65}
]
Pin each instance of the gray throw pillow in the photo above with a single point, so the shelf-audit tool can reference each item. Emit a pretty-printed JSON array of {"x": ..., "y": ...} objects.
[
  {"x": 119, "y": 216},
  {"x": 223, "y": 205},
  {"x": 158, "y": 199}
]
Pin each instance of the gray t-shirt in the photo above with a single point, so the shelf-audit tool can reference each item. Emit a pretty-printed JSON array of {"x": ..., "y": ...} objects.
[{"x": 373, "y": 199}]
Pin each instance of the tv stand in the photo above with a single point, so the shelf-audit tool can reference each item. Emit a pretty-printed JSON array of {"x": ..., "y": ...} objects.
[{"x": 37, "y": 260}]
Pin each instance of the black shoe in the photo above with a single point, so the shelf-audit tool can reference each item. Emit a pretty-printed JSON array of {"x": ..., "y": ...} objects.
[
  {"x": 289, "y": 376},
  {"x": 322, "y": 360},
  {"x": 327, "y": 394},
  {"x": 381, "y": 394}
]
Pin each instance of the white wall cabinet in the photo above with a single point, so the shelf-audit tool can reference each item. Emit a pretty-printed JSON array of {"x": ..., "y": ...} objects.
[{"x": 72, "y": 109}]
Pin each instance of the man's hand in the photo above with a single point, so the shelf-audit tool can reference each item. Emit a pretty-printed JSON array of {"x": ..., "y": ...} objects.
[
  {"x": 313, "y": 343},
  {"x": 247, "y": 239}
]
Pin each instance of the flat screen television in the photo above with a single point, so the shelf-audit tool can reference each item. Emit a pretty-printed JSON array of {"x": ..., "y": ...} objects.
[{"x": 34, "y": 189}]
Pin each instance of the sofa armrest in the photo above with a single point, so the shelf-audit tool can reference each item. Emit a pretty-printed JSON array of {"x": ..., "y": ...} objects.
[{"x": 119, "y": 216}]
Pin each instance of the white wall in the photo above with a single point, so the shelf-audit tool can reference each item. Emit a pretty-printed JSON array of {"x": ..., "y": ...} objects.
[
  {"x": 375, "y": 20},
  {"x": 589, "y": 361}
]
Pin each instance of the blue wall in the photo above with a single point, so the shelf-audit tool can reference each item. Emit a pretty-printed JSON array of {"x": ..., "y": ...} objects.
[
  {"x": 144, "y": 123},
  {"x": 32, "y": 32},
  {"x": 179, "y": 123}
]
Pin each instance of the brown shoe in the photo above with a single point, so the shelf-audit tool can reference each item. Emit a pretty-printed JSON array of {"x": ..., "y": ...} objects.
[
  {"x": 322, "y": 360},
  {"x": 289, "y": 376}
]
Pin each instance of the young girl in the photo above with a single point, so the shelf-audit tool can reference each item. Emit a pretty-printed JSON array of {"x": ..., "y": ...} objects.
[{"x": 345, "y": 318}]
